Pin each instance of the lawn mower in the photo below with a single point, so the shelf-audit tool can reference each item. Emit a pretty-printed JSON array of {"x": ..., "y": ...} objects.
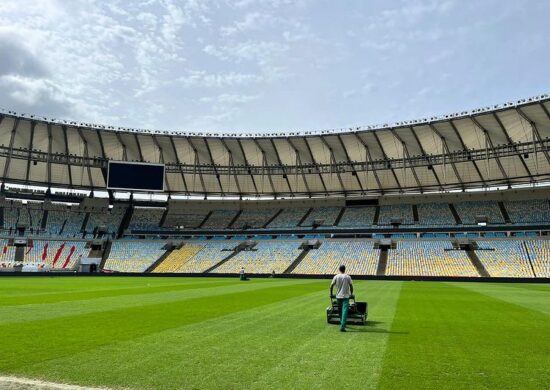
[{"x": 357, "y": 312}]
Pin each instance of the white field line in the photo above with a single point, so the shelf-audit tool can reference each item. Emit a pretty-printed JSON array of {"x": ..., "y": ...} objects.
[{"x": 14, "y": 383}]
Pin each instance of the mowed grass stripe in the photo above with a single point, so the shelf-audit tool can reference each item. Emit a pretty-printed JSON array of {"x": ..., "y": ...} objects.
[
  {"x": 53, "y": 338},
  {"x": 43, "y": 285},
  {"x": 71, "y": 295},
  {"x": 24, "y": 313},
  {"x": 326, "y": 358},
  {"x": 203, "y": 354},
  {"x": 533, "y": 299},
  {"x": 528, "y": 286},
  {"x": 286, "y": 344},
  {"x": 455, "y": 338}
]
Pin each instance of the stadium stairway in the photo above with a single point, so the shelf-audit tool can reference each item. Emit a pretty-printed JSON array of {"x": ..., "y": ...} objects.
[
  {"x": 85, "y": 223},
  {"x": 44, "y": 220},
  {"x": 305, "y": 217},
  {"x": 415, "y": 213},
  {"x": 339, "y": 217},
  {"x": 504, "y": 212},
  {"x": 125, "y": 223},
  {"x": 477, "y": 264},
  {"x": 163, "y": 218},
  {"x": 19, "y": 256},
  {"x": 376, "y": 216},
  {"x": 382, "y": 263},
  {"x": 233, "y": 254},
  {"x": 297, "y": 261},
  {"x": 106, "y": 253},
  {"x": 455, "y": 214},
  {"x": 63, "y": 226},
  {"x": 159, "y": 261},
  {"x": 272, "y": 218},
  {"x": 529, "y": 258},
  {"x": 235, "y": 218},
  {"x": 204, "y": 220}
]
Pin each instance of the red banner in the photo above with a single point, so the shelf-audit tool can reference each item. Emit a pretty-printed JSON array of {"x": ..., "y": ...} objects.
[
  {"x": 69, "y": 257},
  {"x": 45, "y": 252},
  {"x": 57, "y": 254}
]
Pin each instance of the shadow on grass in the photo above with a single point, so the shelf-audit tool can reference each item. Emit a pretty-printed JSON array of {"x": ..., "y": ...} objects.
[
  {"x": 367, "y": 329},
  {"x": 371, "y": 327}
]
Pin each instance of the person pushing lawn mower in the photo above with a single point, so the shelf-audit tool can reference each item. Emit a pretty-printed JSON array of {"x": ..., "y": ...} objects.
[{"x": 344, "y": 290}]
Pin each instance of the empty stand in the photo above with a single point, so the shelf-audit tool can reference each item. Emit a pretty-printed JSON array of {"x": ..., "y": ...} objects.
[
  {"x": 289, "y": 218},
  {"x": 429, "y": 258},
  {"x": 146, "y": 219},
  {"x": 327, "y": 214},
  {"x": 359, "y": 257},
  {"x": 539, "y": 254},
  {"x": 468, "y": 211},
  {"x": 400, "y": 211},
  {"x": 133, "y": 256},
  {"x": 265, "y": 257},
  {"x": 535, "y": 211},
  {"x": 358, "y": 216},
  {"x": 435, "y": 214},
  {"x": 504, "y": 258}
]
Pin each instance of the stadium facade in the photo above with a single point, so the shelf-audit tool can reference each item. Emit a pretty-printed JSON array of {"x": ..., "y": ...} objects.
[{"x": 459, "y": 195}]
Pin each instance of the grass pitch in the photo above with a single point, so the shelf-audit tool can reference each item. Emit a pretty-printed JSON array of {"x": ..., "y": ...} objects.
[{"x": 199, "y": 333}]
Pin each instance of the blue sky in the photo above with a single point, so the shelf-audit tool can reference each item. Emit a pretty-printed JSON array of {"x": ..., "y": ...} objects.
[{"x": 252, "y": 65}]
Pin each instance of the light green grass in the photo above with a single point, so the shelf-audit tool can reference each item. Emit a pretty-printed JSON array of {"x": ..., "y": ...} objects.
[{"x": 205, "y": 333}]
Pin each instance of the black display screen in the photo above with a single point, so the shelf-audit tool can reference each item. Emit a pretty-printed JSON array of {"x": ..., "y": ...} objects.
[{"x": 135, "y": 176}]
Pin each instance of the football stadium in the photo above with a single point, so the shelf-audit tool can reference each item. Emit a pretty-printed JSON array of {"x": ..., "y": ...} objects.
[
  {"x": 162, "y": 259},
  {"x": 112, "y": 286}
]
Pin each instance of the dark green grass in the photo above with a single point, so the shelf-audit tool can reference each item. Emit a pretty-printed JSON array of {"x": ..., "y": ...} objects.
[{"x": 201, "y": 333}]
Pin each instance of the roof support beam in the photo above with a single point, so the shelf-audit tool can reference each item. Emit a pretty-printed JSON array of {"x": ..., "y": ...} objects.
[
  {"x": 101, "y": 145},
  {"x": 248, "y": 166},
  {"x": 179, "y": 164},
  {"x": 369, "y": 157},
  {"x": 12, "y": 139},
  {"x": 64, "y": 129},
  {"x": 31, "y": 141},
  {"x": 406, "y": 153},
  {"x": 139, "y": 148},
  {"x": 386, "y": 158},
  {"x": 490, "y": 141},
  {"x": 426, "y": 155},
  {"x": 349, "y": 161},
  {"x": 281, "y": 165},
  {"x": 232, "y": 165},
  {"x": 448, "y": 151},
  {"x": 333, "y": 161},
  {"x": 299, "y": 162},
  {"x": 49, "y": 163},
  {"x": 264, "y": 163},
  {"x": 162, "y": 160},
  {"x": 196, "y": 163},
  {"x": 124, "y": 151},
  {"x": 535, "y": 129},
  {"x": 511, "y": 142},
  {"x": 205, "y": 140},
  {"x": 478, "y": 171},
  {"x": 86, "y": 155},
  {"x": 315, "y": 164}
]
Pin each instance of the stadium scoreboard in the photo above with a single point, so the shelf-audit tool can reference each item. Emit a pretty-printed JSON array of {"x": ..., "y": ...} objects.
[{"x": 133, "y": 176}]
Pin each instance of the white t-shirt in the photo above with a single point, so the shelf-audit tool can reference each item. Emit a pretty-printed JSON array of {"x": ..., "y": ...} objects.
[{"x": 343, "y": 283}]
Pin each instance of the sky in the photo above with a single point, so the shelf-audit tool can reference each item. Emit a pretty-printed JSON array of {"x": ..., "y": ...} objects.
[{"x": 268, "y": 65}]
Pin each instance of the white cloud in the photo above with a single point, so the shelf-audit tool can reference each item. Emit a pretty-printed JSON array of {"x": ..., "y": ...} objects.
[
  {"x": 230, "y": 99},
  {"x": 260, "y": 52},
  {"x": 218, "y": 80}
]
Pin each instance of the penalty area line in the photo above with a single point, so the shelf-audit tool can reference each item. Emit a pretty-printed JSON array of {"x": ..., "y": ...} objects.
[{"x": 15, "y": 383}]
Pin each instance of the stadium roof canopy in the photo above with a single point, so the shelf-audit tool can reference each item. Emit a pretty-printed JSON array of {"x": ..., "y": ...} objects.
[{"x": 502, "y": 145}]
